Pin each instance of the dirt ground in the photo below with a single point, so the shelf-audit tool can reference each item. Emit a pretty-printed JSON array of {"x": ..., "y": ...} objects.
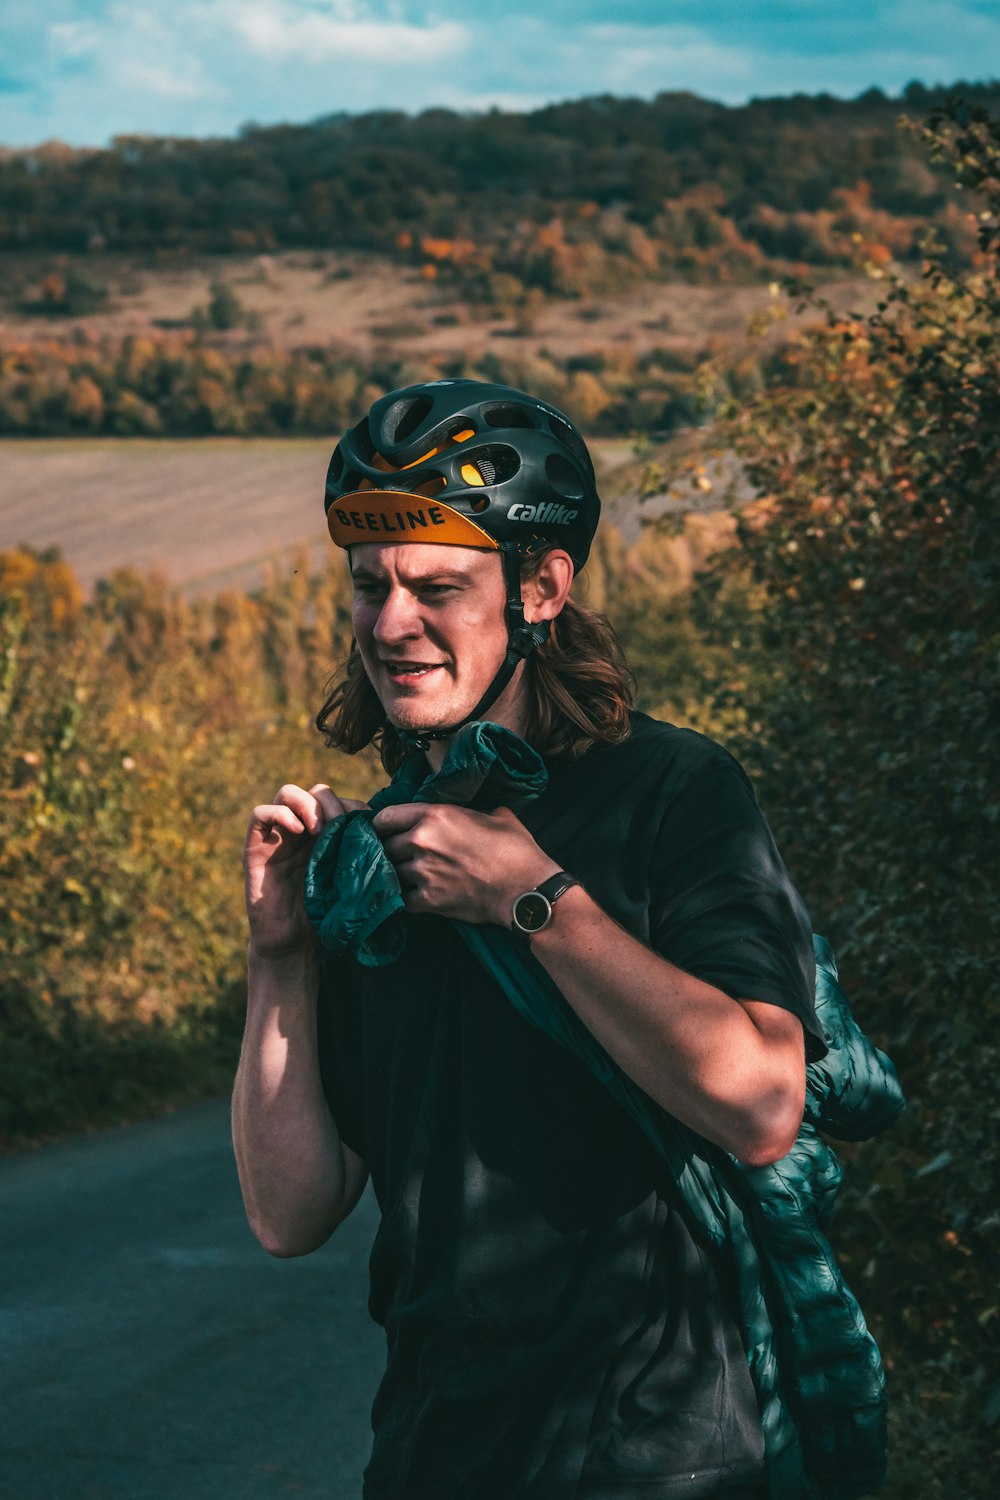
[{"x": 365, "y": 304}]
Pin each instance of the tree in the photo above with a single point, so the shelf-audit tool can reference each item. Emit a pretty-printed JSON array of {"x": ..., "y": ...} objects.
[{"x": 870, "y": 677}]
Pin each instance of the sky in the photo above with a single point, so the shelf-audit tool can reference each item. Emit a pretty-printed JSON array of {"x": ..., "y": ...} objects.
[{"x": 83, "y": 71}]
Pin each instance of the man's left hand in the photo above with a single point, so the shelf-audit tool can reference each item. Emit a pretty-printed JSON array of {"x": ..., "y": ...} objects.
[{"x": 468, "y": 865}]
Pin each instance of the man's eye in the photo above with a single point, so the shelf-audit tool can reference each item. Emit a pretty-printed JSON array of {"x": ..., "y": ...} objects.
[{"x": 437, "y": 589}]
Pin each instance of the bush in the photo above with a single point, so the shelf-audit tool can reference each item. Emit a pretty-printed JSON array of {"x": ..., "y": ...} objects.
[
  {"x": 67, "y": 295},
  {"x": 870, "y": 670},
  {"x": 190, "y": 383},
  {"x": 124, "y": 732}
]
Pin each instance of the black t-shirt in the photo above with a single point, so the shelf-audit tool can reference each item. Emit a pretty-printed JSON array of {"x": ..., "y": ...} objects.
[{"x": 553, "y": 1329}]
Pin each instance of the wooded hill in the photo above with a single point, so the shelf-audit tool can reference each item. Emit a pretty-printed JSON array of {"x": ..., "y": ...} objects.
[{"x": 678, "y": 185}]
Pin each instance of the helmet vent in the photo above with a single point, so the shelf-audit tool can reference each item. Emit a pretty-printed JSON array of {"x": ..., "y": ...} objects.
[
  {"x": 570, "y": 439},
  {"x": 563, "y": 477},
  {"x": 496, "y": 464},
  {"x": 508, "y": 415},
  {"x": 404, "y": 417},
  {"x": 336, "y": 466}
]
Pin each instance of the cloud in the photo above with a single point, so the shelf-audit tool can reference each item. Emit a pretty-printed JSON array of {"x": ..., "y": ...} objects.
[
  {"x": 90, "y": 69},
  {"x": 644, "y": 59},
  {"x": 291, "y": 31},
  {"x": 539, "y": 63},
  {"x": 148, "y": 78},
  {"x": 136, "y": 54}
]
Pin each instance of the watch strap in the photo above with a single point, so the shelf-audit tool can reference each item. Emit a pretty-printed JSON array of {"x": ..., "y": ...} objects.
[{"x": 556, "y": 885}]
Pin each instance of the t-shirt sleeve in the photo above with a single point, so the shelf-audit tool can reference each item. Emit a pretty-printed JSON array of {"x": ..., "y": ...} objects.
[
  {"x": 722, "y": 906},
  {"x": 338, "y": 1042}
]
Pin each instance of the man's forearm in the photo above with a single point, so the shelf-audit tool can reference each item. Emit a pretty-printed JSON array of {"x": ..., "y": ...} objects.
[
  {"x": 288, "y": 1152},
  {"x": 734, "y": 1074}
]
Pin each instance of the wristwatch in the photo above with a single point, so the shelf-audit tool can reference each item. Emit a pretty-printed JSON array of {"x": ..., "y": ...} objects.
[{"x": 533, "y": 910}]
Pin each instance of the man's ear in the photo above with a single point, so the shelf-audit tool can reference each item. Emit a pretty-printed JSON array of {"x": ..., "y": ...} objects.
[{"x": 545, "y": 594}]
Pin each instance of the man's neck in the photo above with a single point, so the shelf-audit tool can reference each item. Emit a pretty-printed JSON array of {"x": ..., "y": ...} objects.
[
  {"x": 436, "y": 752},
  {"x": 510, "y": 710}
]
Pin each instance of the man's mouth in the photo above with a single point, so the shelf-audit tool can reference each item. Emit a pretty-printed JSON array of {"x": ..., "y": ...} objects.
[{"x": 409, "y": 671}]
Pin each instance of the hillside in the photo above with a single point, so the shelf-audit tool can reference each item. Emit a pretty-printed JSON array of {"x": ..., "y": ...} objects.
[
  {"x": 599, "y": 252},
  {"x": 306, "y": 341},
  {"x": 568, "y": 197}
]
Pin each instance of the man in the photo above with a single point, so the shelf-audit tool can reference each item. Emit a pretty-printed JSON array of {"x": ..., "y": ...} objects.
[{"x": 555, "y": 1327}]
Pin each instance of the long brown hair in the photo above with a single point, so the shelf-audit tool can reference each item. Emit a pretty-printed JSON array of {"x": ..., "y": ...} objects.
[{"x": 578, "y": 691}]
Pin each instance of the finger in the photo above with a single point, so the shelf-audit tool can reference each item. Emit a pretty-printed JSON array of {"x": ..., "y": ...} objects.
[
  {"x": 415, "y": 898},
  {"x": 395, "y": 819},
  {"x": 303, "y": 804},
  {"x": 268, "y": 816},
  {"x": 329, "y": 804},
  {"x": 345, "y": 804},
  {"x": 399, "y": 851}
]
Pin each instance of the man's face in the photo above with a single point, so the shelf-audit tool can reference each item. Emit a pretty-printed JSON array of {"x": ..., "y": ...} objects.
[{"x": 429, "y": 623}]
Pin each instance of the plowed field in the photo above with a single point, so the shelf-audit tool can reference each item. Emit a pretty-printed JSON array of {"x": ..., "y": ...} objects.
[{"x": 207, "y": 513}]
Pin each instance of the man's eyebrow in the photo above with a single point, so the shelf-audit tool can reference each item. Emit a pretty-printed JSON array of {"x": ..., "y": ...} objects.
[{"x": 435, "y": 575}]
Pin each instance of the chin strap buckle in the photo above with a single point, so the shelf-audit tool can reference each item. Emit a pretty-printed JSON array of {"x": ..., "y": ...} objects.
[{"x": 524, "y": 637}]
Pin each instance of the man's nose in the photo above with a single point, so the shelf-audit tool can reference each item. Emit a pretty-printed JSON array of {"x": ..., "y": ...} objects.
[{"x": 399, "y": 618}]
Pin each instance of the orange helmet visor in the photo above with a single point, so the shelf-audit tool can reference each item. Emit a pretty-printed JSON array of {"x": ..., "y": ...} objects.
[{"x": 395, "y": 516}]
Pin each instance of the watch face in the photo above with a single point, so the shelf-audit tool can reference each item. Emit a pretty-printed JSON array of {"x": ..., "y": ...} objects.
[{"x": 531, "y": 912}]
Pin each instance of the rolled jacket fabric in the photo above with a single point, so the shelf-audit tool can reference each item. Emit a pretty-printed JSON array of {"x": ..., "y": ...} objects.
[{"x": 815, "y": 1367}]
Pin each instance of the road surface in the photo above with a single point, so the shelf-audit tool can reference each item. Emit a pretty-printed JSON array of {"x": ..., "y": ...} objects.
[{"x": 150, "y": 1350}]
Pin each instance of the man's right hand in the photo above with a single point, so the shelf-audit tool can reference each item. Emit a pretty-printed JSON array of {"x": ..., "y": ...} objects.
[{"x": 279, "y": 840}]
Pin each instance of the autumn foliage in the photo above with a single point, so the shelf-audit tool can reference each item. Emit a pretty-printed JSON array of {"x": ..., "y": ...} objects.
[
  {"x": 188, "y": 383},
  {"x": 868, "y": 672}
]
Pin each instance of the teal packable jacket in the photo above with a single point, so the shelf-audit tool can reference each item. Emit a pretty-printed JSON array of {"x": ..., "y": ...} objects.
[{"x": 815, "y": 1367}]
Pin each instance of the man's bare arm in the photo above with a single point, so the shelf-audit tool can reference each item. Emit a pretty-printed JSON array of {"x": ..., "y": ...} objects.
[
  {"x": 299, "y": 1179},
  {"x": 734, "y": 1070}
]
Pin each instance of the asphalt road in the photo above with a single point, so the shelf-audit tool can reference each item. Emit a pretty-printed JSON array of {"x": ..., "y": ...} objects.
[{"x": 150, "y": 1350}]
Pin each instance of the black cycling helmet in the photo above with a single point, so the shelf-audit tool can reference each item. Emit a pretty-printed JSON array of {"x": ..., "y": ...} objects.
[
  {"x": 512, "y": 466},
  {"x": 470, "y": 464}
]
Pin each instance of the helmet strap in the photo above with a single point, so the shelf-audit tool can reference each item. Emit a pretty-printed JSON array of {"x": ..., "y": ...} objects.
[{"x": 522, "y": 638}]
